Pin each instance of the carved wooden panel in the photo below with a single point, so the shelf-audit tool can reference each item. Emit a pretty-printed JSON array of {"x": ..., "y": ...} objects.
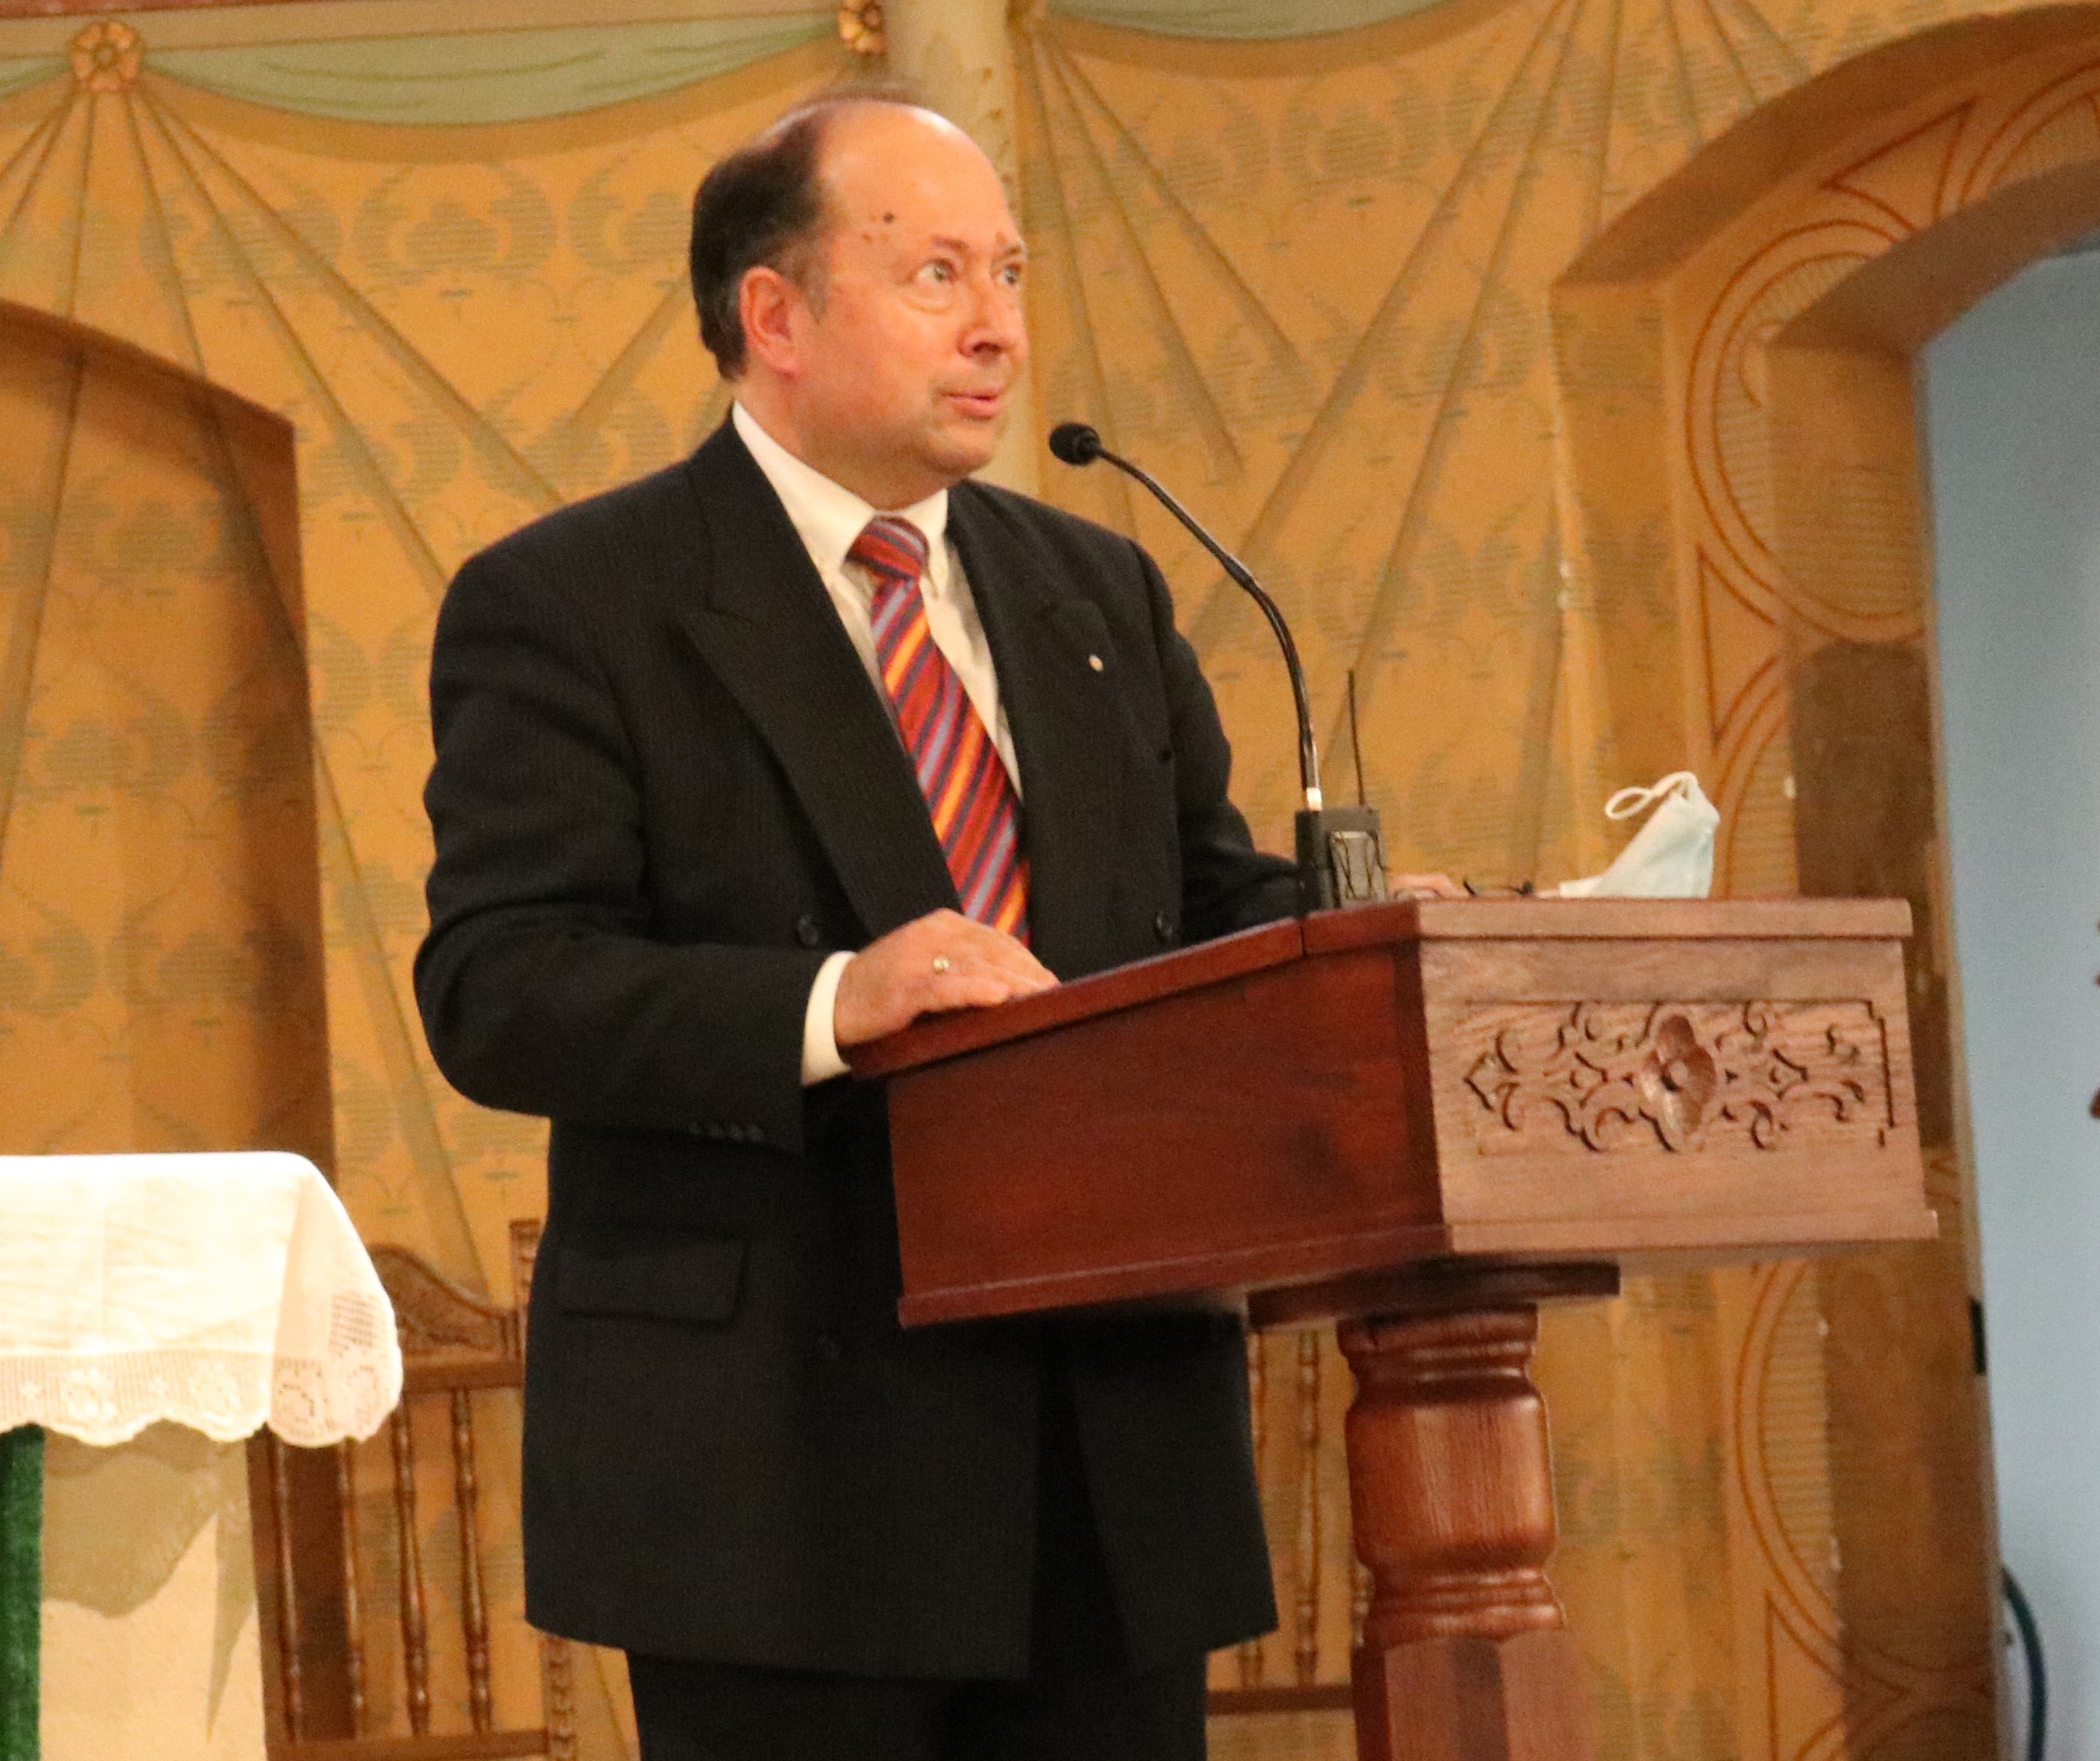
[
  {"x": 1300, "y": 1389},
  {"x": 1703, "y": 1080},
  {"x": 1684, "y": 1075},
  {"x": 434, "y": 1314}
]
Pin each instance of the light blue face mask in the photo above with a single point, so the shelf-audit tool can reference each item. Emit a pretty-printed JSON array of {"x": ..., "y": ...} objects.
[{"x": 1670, "y": 857}]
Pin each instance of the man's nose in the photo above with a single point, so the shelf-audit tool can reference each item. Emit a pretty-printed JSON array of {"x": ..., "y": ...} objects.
[{"x": 997, "y": 323}]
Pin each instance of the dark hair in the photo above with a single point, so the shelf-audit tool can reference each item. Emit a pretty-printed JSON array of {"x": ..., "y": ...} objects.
[{"x": 764, "y": 204}]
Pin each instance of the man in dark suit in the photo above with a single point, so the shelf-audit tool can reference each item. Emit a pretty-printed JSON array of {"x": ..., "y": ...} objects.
[{"x": 759, "y": 757}]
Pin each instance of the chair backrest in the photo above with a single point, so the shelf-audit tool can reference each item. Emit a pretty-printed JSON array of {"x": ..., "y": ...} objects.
[
  {"x": 369, "y": 1539},
  {"x": 1298, "y": 1387},
  {"x": 332, "y": 1565}
]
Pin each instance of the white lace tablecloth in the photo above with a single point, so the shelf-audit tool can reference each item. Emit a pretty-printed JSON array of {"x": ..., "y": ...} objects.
[{"x": 221, "y": 1292}]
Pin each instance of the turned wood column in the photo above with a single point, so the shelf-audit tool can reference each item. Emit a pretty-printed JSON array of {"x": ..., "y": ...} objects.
[{"x": 1464, "y": 1656}]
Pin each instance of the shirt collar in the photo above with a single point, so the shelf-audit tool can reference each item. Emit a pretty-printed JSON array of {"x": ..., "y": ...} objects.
[{"x": 826, "y": 516}]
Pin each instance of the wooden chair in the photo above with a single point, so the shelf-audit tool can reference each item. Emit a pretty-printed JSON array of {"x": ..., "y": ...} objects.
[
  {"x": 324, "y": 1566},
  {"x": 1299, "y": 1388},
  {"x": 320, "y": 1561}
]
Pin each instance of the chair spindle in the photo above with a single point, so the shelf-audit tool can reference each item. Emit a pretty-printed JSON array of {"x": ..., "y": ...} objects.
[
  {"x": 474, "y": 1610},
  {"x": 287, "y": 1600},
  {"x": 415, "y": 1629},
  {"x": 1307, "y": 1609},
  {"x": 345, "y": 1492},
  {"x": 1249, "y": 1652}
]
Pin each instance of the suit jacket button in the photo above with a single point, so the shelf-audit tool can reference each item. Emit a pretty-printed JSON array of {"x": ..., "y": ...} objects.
[
  {"x": 828, "y": 1348},
  {"x": 808, "y": 931},
  {"x": 1162, "y": 926}
]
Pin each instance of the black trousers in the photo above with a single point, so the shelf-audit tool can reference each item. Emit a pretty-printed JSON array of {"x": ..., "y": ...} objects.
[
  {"x": 1081, "y": 1701},
  {"x": 692, "y": 1711}
]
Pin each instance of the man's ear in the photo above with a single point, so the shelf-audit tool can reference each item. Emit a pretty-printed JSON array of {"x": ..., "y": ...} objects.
[{"x": 771, "y": 307}]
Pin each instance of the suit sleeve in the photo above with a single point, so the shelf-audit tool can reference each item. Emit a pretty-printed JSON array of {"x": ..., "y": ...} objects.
[
  {"x": 1226, "y": 883},
  {"x": 542, "y": 988}
]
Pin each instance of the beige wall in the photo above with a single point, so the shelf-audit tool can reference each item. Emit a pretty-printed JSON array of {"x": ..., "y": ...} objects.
[
  {"x": 150, "y": 1641},
  {"x": 1400, "y": 309}
]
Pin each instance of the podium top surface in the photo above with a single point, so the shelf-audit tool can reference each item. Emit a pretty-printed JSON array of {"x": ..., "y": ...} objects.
[{"x": 936, "y": 1039}]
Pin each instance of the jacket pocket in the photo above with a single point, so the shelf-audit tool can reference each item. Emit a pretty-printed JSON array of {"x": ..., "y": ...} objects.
[{"x": 694, "y": 1279}]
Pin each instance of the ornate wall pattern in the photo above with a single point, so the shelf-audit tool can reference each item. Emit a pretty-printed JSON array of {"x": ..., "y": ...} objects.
[
  {"x": 1384, "y": 445},
  {"x": 1786, "y": 311},
  {"x": 1389, "y": 305},
  {"x": 463, "y": 331},
  {"x": 159, "y": 920}
]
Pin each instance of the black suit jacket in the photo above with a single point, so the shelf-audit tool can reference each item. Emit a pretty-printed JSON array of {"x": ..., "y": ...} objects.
[{"x": 666, "y": 789}]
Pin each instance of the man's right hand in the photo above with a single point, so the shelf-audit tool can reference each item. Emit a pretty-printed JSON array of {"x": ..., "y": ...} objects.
[{"x": 943, "y": 960}]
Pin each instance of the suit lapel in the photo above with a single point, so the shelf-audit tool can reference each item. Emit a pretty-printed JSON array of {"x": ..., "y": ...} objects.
[
  {"x": 768, "y": 629},
  {"x": 1067, "y": 729}
]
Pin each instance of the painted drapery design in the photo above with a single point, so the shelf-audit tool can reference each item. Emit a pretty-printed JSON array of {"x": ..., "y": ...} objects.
[
  {"x": 1308, "y": 282},
  {"x": 446, "y": 78},
  {"x": 461, "y": 343}
]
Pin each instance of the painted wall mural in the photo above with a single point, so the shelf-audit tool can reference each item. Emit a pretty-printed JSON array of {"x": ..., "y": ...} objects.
[
  {"x": 159, "y": 924},
  {"x": 1522, "y": 421}
]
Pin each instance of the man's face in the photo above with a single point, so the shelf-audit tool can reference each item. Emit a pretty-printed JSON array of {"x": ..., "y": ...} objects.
[{"x": 896, "y": 378}]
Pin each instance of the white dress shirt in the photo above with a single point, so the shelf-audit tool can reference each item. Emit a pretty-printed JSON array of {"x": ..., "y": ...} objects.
[{"x": 828, "y": 518}]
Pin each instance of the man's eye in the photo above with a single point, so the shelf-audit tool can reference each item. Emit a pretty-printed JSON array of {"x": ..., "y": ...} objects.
[
  {"x": 1009, "y": 276},
  {"x": 937, "y": 272}
]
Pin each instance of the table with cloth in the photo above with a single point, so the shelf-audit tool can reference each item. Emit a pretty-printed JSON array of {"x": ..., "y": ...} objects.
[{"x": 155, "y": 1310}]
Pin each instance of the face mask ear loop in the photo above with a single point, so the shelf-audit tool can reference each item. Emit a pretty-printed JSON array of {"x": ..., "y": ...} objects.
[{"x": 1629, "y": 802}]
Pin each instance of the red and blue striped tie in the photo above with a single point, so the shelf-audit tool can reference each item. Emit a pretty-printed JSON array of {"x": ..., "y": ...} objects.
[{"x": 976, "y": 813}]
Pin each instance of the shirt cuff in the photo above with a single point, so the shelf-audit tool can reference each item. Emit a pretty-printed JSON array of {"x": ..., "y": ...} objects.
[{"x": 820, "y": 1049}]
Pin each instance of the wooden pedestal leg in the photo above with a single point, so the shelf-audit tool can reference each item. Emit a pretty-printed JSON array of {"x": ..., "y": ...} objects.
[{"x": 1465, "y": 1656}]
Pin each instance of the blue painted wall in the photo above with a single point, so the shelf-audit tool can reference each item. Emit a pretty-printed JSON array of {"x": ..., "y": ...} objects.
[{"x": 2012, "y": 397}]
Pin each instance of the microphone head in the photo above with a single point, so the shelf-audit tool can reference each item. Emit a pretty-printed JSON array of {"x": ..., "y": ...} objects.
[{"x": 1075, "y": 443}]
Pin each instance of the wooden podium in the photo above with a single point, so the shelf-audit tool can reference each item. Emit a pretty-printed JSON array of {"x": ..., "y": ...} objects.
[{"x": 1421, "y": 1119}]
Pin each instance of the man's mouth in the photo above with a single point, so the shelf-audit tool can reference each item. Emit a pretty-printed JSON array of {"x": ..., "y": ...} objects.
[{"x": 981, "y": 405}]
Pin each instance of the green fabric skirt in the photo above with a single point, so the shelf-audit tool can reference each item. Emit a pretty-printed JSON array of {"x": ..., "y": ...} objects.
[{"x": 21, "y": 1587}]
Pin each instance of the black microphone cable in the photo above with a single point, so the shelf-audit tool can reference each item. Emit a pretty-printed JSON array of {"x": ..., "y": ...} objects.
[{"x": 2037, "y": 1671}]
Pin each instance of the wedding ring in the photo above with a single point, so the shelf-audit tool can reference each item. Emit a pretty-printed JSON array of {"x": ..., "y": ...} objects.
[{"x": 940, "y": 962}]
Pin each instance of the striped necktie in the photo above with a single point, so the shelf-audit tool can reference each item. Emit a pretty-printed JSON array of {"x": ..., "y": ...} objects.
[{"x": 976, "y": 813}]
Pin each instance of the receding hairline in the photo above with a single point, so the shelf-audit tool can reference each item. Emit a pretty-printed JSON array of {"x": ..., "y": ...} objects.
[
  {"x": 827, "y": 113},
  {"x": 825, "y": 109},
  {"x": 823, "y": 115}
]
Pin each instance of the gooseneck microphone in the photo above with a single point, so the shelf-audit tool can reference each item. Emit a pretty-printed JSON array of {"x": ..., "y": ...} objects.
[
  {"x": 1077, "y": 443},
  {"x": 1340, "y": 861}
]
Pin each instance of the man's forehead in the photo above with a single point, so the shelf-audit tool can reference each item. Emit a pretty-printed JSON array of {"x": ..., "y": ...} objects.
[{"x": 895, "y": 167}]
